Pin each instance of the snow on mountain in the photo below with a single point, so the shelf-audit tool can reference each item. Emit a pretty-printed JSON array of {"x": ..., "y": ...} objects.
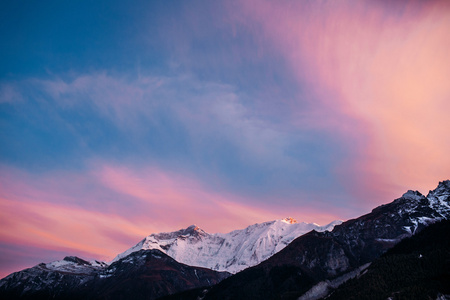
[
  {"x": 419, "y": 210},
  {"x": 145, "y": 274},
  {"x": 52, "y": 278},
  {"x": 231, "y": 252},
  {"x": 439, "y": 198},
  {"x": 74, "y": 265}
]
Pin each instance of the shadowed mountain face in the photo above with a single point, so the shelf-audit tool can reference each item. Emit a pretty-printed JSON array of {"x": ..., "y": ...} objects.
[
  {"x": 317, "y": 256},
  {"x": 149, "y": 274},
  {"x": 146, "y": 274},
  {"x": 416, "y": 268},
  {"x": 60, "y": 279}
]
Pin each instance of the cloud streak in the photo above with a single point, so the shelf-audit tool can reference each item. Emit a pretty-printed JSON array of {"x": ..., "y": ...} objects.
[
  {"x": 38, "y": 211},
  {"x": 211, "y": 128},
  {"x": 378, "y": 74}
]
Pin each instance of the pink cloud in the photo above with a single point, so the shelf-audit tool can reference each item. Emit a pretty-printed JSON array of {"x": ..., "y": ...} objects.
[
  {"x": 105, "y": 210},
  {"x": 179, "y": 200},
  {"x": 380, "y": 77},
  {"x": 48, "y": 227}
]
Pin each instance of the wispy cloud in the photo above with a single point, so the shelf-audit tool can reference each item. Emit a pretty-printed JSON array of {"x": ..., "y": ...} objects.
[
  {"x": 210, "y": 125},
  {"x": 9, "y": 93},
  {"x": 378, "y": 74}
]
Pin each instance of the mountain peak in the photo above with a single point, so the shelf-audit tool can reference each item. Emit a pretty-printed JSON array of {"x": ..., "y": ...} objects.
[
  {"x": 193, "y": 229},
  {"x": 76, "y": 260},
  {"x": 445, "y": 182},
  {"x": 413, "y": 195},
  {"x": 289, "y": 220},
  {"x": 443, "y": 186}
]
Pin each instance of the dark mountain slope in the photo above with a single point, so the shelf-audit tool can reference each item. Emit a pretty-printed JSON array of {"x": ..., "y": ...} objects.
[
  {"x": 146, "y": 274},
  {"x": 149, "y": 274},
  {"x": 57, "y": 280},
  {"x": 416, "y": 268}
]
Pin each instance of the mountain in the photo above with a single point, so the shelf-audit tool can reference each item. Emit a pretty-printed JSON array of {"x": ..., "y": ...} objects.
[
  {"x": 320, "y": 256},
  {"x": 75, "y": 278},
  {"x": 231, "y": 252},
  {"x": 145, "y": 274},
  {"x": 57, "y": 279},
  {"x": 416, "y": 268},
  {"x": 149, "y": 274}
]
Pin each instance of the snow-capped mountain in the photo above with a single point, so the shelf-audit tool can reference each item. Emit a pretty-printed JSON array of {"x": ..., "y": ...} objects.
[
  {"x": 75, "y": 265},
  {"x": 50, "y": 280},
  {"x": 231, "y": 252},
  {"x": 145, "y": 274}
]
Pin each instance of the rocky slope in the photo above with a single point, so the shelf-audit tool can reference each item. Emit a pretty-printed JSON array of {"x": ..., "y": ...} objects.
[
  {"x": 416, "y": 268},
  {"x": 59, "y": 279}
]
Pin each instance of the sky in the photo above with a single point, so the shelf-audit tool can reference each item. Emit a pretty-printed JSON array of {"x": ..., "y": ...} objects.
[{"x": 119, "y": 119}]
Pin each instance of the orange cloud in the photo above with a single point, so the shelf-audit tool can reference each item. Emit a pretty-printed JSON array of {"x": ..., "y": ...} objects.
[{"x": 50, "y": 226}]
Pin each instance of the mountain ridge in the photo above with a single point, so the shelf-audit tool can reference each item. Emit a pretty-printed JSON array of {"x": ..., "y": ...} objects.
[
  {"x": 319, "y": 256},
  {"x": 231, "y": 252},
  {"x": 145, "y": 274}
]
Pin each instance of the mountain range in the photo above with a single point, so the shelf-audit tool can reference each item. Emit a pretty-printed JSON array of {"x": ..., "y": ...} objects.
[
  {"x": 231, "y": 252},
  {"x": 317, "y": 257},
  {"x": 280, "y": 259}
]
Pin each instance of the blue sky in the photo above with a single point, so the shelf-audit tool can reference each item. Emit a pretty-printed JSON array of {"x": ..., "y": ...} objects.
[{"x": 171, "y": 58}]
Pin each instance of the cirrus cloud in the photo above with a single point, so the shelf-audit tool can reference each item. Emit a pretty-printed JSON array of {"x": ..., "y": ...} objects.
[{"x": 378, "y": 73}]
